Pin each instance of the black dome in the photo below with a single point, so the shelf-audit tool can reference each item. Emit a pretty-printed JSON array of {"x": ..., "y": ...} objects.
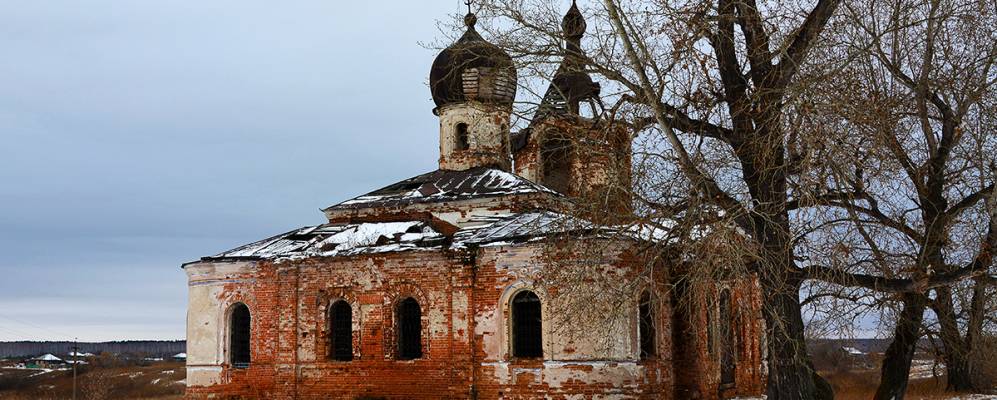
[
  {"x": 573, "y": 24},
  {"x": 496, "y": 78}
]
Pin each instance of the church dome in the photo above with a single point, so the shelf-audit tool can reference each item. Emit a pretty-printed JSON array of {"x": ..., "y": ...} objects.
[
  {"x": 473, "y": 69},
  {"x": 573, "y": 24}
]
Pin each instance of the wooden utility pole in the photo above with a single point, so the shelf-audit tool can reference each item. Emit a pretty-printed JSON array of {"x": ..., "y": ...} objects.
[{"x": 76, "y": 360}]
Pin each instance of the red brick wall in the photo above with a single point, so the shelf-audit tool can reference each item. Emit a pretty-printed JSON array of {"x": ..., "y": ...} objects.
[
  {"x": 697, "y": 368},
  {"x": 288, "y": 302}
]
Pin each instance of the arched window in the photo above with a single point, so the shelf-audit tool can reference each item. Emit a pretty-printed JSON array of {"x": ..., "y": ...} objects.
[
  {"x": 239, "y": 333},
  {"x": 555, "y": 156},
  {"x": 646, "y": 330},
  {"x": 527, "y": 325},
  {"x": 409, "y": 329},
  {"x": 728, "y": 358},
  {"x": 341, "y": 331},
  {"x": 461, "y": 137}
]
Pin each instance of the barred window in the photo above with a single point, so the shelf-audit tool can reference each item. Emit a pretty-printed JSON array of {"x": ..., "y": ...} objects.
[
  {"x": 527, "y": 326},
  {"x": 341, "y": 331},
  {"x": 728, "y": 357},
  {"x": 646, "y": 330},
  {"x": 239, "y": 334},
  {"x": 711, "y": 321},
  {"x": 409, "y": 317}
]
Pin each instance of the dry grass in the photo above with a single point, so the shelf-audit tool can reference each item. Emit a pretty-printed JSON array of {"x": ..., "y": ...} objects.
[
  {"x": 861, "y": 385},
  {"x": 154, "y": 381}
]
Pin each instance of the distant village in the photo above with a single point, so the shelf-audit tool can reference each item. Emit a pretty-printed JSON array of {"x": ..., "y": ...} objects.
[
  {"x": 52, "y": 362},
  {"x": 62, "y": 355},
  {"x": 112, "y": 370}
]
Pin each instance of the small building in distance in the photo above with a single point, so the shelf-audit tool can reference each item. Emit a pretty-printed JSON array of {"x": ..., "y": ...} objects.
[
  {"x": 509, "y": 272},
  {"x": 46, "y": 361}
]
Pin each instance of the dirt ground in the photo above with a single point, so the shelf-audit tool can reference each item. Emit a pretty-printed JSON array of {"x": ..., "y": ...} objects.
[{"x": 166, "y": 381}]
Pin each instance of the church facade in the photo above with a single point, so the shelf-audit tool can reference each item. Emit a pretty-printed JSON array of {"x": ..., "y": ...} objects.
[{"x": 491, "y": 277}]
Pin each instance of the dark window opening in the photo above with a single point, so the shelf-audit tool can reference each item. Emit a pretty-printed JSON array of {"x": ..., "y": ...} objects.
[
  {"x": 555, "y": 155},
  {"x": 341, "y": 337},
  {"x": 527, "y": 326},
  {"x": 647, "y": 331},
  {"x": 711, "y": 321},
  {"x": 463, "y": 143},
  {"x": 728, "y": 358},
  {"x": 239, "y": 332},
  {"x": 409, "y": 329}
]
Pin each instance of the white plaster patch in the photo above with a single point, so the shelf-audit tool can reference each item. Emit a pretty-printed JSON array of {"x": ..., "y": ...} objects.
[{"x": 203, "y": 376}]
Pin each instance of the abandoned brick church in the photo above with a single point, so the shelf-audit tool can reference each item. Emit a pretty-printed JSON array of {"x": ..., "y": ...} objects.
[{"x": 478, "y": 280}]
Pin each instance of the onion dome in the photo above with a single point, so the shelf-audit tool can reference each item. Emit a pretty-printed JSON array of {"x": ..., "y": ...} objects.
[
  {"x": 573, "y": 24},
  {"x": 473, "y": 69}
]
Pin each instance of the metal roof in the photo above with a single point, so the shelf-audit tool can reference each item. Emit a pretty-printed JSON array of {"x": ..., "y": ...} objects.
[
  {"x": 331, "y": 240},
  {"x": 446, "y": 185}
]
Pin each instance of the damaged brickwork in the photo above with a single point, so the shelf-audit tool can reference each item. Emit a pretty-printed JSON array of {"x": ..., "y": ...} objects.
[
  {"x": 544, "y": 212},
  {"x": 466, "y": 343}
]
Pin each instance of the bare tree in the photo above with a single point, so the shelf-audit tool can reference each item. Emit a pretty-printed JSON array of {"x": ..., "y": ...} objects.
[
  {"x": 713, "y": 80},
  {"x": 744, "y": 120},
  {"x": 912, "y": 218}
]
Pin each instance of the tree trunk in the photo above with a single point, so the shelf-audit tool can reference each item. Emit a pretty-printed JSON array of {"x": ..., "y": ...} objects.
[
  {"x": 897, "y": 359},
  {"x": 958, "y": 368},
  {"x": 791, "y": 374}
]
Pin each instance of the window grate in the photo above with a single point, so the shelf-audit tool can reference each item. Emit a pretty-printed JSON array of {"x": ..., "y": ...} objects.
[
  {"x": 728, "y": 357},
  {"x": 409, "y": 330},
  {"x": 341, "y": 337},
  {"x": 527, "y": 326}
]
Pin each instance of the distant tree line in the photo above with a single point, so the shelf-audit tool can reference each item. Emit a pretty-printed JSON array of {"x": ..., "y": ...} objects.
[{"x": 147, "y": 347}]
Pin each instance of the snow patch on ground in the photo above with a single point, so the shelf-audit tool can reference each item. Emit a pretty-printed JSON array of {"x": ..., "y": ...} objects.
[
  {"x": 924, "y": 369},
  {"x": 975, "y": 397},
  {"x": 41, "y": 372}
]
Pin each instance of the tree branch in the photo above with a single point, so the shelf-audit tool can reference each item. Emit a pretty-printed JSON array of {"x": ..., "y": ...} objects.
[
  {"x": 891, "y": 285},
  {"x": 969, "y": 201},
  {"x": 759, "y": 54},
  {"x": 802, "y": 40}
]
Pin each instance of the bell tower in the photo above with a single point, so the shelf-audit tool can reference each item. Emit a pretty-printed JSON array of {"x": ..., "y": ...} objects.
[
  {"x": 584, "y": 157},
  {"x": 473, "y": 84}
]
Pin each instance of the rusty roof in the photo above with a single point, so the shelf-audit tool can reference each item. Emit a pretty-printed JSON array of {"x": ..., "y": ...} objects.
[
  {"x": 349, "y": 239},
  {"x": 331, "y": 240},
  {"x": 339, "y": 239},
  {"x": 446, "y": 185}
]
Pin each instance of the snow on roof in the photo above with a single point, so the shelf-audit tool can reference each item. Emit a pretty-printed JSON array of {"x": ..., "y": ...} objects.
[
  {"x": 446, "y": 185},
  {"x": 340, "y": 240},
  {"x": 347, "y": 239},
  {"x": 332, "y": 240},
  {"x": 180, "y": 355},
  {"x": 519, "y": 226},
  {"x": 47, "y": 357},
  {"x": 75, "y": 354}
]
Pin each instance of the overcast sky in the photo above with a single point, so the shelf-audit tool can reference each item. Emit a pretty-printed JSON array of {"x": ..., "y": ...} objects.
[{"x": 138, "y": 135}]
